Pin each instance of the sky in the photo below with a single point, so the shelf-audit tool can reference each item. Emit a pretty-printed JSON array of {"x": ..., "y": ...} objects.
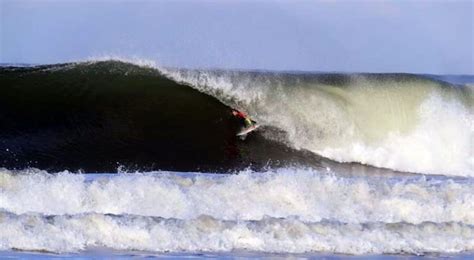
[{"x": 348, "y": 36}]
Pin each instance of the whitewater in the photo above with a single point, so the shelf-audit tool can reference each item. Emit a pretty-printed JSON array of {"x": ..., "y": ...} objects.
[
  {"x": 284, "y": 210},
  {"x": 96, "y": 155}
]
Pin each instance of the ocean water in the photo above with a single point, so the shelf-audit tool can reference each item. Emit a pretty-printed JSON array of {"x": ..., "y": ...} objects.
[{"x": 126, "y": 158}]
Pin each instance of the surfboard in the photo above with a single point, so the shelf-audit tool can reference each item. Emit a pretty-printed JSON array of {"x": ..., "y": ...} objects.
[{"x": 248, "y": 130}]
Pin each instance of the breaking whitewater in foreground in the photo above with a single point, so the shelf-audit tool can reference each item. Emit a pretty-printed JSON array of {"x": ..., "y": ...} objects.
[{"x": 358, "y": 164}]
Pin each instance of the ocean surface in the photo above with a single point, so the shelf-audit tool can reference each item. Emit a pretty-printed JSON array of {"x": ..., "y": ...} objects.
[{"x": 127, "y": 158}]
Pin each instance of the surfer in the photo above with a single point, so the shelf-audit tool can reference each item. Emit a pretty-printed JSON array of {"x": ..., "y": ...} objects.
[
  {"x": 248, "y": 124},
  {"x": 244, "y": 117}
]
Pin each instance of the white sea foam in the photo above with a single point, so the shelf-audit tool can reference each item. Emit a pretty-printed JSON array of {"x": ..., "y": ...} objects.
[
  {"x": 282, "y": 193},
  {"x": 287, "y": 210},
  {"x": 79, "y": 232}
]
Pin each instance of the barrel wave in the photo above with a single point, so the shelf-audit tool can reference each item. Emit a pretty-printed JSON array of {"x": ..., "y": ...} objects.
[{"x": 99, "y": 115}]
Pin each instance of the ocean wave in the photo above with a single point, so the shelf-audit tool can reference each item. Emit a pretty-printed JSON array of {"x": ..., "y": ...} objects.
[{"x": 97, "y": 115}]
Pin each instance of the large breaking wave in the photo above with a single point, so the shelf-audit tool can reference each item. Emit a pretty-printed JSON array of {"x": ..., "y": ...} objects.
[{"x": 98, "y": 115}]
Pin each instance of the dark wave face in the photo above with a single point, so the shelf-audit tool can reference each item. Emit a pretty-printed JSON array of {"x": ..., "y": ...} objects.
[{"x": 98, "y": 116}]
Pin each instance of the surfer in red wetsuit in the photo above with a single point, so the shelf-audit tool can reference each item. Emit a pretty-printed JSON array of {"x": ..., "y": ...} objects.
[{"x": 241, "y": 115}]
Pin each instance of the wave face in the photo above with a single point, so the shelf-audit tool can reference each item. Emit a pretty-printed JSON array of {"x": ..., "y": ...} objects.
[
  {"x": 96, "y": 116},
  {"x": 286, "y": 210}
]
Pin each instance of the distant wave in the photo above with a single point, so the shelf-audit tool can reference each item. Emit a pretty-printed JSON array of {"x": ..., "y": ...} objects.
[{"x": 98, "y": 115}]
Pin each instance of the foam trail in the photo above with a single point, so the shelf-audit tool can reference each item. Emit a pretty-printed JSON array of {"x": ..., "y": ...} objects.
[{"x": 308, "y": 194}]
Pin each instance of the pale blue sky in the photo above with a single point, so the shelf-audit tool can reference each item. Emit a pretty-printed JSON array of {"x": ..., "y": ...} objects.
[{"x": 369, "y": 36}]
